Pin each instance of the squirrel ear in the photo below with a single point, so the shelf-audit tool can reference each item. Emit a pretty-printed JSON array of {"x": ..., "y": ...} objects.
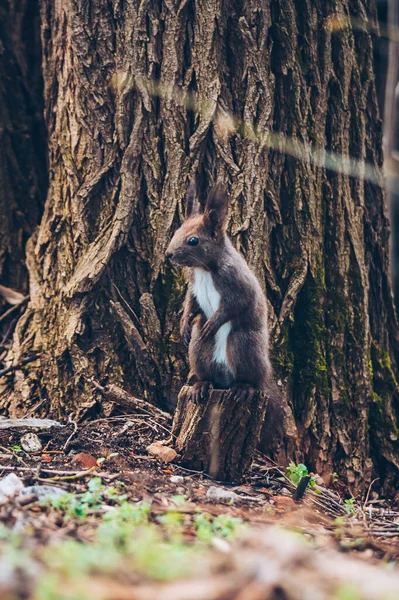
[
  {"x": 217, "y": 208},
  {"x": 192, "y": 201}
]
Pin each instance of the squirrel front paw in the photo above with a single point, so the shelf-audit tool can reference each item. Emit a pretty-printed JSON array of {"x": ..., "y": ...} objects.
[
  {"x": 185, "y": 330},
  {"x": 199, "y": 390},
  {"x": 208, "y": 329}
]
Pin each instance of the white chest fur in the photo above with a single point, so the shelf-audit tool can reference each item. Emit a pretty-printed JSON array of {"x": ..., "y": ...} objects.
[{"x": 209, "y": 299}]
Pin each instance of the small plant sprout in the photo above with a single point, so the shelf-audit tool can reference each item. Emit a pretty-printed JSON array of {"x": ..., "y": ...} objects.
[
  {"x": 350, "y": 506},
  {"x": 222, "y": 526},
  {"x": 295, "y": 473}
]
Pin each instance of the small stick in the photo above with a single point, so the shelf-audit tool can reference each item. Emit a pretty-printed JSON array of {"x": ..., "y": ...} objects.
[
  {"x": 14, "y": 454},
  {"x": 73, "y": 432},
  {"x": 13, "y": 309},
  {"x": 34, "y": 408},
  {"x": 368, "y": 492},
  {"x": 68, "y": 477},
  {"x": 25, "y": 500},
  {"x": 7, "y": 333},
  {"x": 47, "y": 471},
  {"x": 19, "y": 364}
]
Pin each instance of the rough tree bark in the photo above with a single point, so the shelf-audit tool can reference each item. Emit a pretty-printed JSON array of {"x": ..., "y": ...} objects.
[{"x": 122, "y": 149}]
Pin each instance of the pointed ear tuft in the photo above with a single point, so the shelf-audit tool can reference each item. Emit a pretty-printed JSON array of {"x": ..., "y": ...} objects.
[
  {"x": 216, "y": 209},
  {"x": 192, "y": 201}
]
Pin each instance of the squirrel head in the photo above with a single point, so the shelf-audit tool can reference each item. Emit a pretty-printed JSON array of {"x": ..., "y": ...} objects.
[{"x": 197, "y": 243}]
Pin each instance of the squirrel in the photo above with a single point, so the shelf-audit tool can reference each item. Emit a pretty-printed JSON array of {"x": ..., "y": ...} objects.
[{"x": 224, "y": 322}]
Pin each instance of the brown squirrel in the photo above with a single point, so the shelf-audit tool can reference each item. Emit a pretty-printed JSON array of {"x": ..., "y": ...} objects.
[{"x": 224, "y": 322}]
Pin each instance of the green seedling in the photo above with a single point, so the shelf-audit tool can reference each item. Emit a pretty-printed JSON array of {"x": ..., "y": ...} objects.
[
  {"x": 350, "y": 506},
  {"x": 78, "y": 505},
  {"x": 295, "y": 473},
  {"x": 222, "y": 526}
]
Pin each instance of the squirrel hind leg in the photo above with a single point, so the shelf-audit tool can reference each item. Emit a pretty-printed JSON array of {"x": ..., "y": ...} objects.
[
  {"x": 192, "y": 378},
  {"x": 242, "y": 391},
  {"x": 248, "y": 355}
]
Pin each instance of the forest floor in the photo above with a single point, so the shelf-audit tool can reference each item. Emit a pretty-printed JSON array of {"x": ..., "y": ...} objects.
[{"x": 95, "y": 511}]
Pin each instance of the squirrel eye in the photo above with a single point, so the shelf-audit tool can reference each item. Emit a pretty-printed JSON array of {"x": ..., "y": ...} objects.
[{"x": 193, "y": 241}]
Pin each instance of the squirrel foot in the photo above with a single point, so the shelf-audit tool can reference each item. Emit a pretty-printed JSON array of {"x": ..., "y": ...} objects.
[
  {"x": 242, "y": 391},
  {"x": 199, "y": 390}
]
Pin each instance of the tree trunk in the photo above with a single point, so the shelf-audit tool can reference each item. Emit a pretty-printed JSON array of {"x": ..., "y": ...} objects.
[
  {"x": 138, "y": 97},
  {"x": 219, "y": 436},
  {"x": 23, "y": 161}
]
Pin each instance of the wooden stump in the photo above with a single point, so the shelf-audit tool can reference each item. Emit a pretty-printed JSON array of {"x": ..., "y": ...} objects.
[{"x": 220, "y": 435}]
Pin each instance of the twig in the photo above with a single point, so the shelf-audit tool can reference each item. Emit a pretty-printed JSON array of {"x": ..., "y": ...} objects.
[
  {"x": 69, "y": 477},
  {"x": 13, "y": 309},
  {"x": 126, "y": 303},
  {"x": 14, "y": 454},
  {"x": 34, "y": 408},
  {"x": 19, "y": 364},
  {"x": 47, "y": 471},
  {"x": 368, "y": 492},
  {"x": 73, "y": 432},
  {"x": 7, "y": 333}
]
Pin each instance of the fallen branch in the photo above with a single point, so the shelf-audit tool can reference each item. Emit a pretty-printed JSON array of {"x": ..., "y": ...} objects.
[{"x": 127, "y": 401}]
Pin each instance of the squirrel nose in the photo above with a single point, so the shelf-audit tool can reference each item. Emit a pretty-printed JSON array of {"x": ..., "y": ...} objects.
[{"x": 168, "y": 253}]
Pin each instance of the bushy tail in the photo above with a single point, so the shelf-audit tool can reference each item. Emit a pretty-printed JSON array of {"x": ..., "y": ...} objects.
[{"x": 273, "y": 429}]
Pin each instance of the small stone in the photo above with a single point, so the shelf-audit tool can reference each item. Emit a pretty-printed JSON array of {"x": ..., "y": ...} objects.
[
  {"x": 217, "y": 493},
  {"x": 177, "y": 479},
  {"x": 283, "y": 502},
  {"x": 10, "y": 486},
  {"x": 319, "y": 480},
  {"x": 164, "y": 453},
  {"x": 221, "y": 545},
  {"x": 31, "y": 443},
  {"x": 43, "y": 492},
  {"x": 285, "y": 492}
]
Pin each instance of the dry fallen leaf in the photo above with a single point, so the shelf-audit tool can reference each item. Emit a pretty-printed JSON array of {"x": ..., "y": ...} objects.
[
  {"x": 164, "y": 453},
  {"x": 11, "y": 296},
  {"x": 87, "y": 461}
]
